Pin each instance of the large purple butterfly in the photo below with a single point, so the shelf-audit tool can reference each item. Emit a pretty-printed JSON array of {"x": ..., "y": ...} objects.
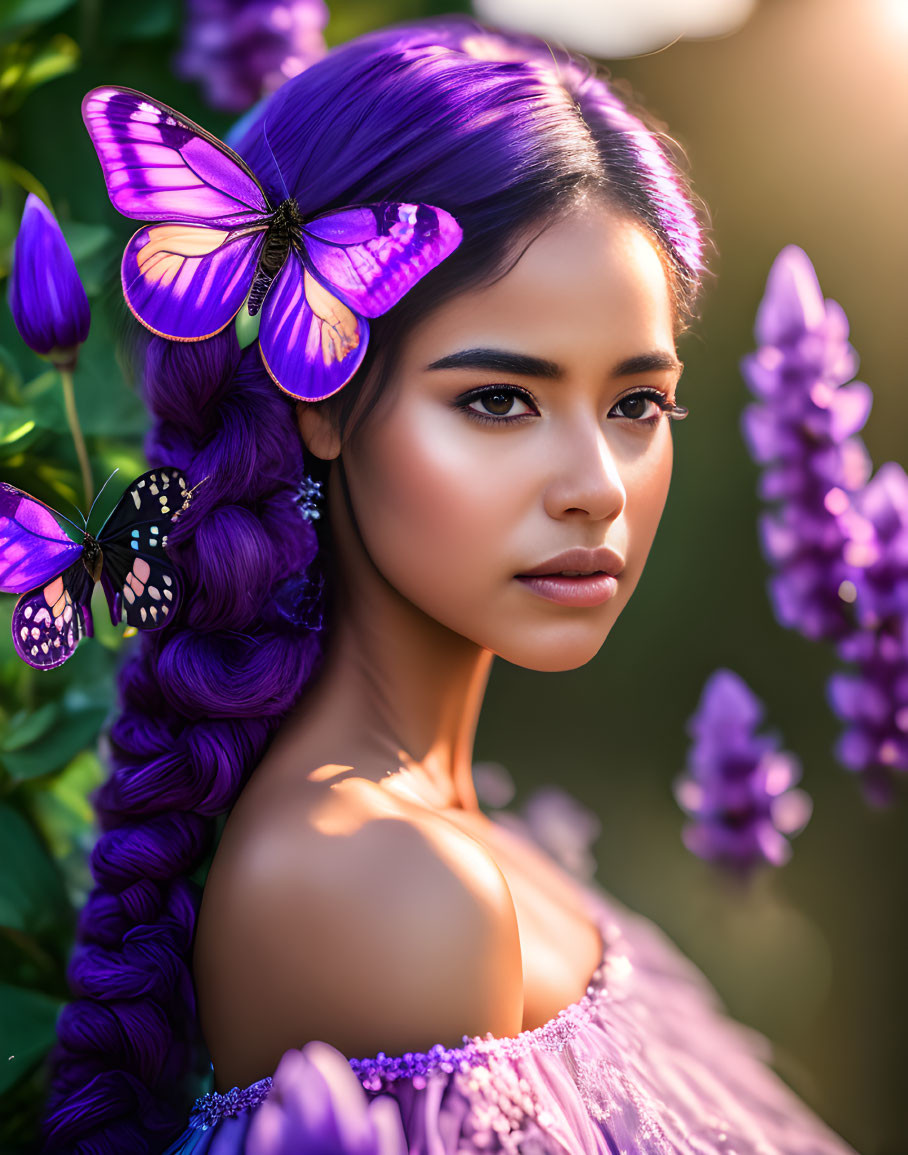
[
  {"x": 56, "y": 575},
  {"x": 221, "y": 243}
]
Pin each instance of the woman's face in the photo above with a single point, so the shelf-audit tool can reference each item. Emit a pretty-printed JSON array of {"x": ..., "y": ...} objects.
[{"x": 515, "y": 429}]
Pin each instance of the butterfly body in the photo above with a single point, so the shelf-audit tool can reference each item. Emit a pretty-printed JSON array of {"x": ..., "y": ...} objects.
[
  {"x": 284, "y": 232},
  {"x": 92, "y": 557},
  {"x": 214, "y": 241},
  {"x": 56, "y": 575}
]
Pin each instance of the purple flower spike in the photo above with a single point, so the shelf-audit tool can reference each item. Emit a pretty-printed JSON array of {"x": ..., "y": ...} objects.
[
  {"x": 317, "y": 1104},
  {"x": 242, "y": 50},
  {"x": 46, "y": 297},
  {"x": 803, "y": 431},
  {"x": 837, "y": 541},
  {"x": 873, "y": 702},
  {"x": 738, "y": 784}
]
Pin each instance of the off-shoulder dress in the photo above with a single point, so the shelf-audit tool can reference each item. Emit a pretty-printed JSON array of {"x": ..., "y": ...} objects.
[{"x": 647, "y": 1062}]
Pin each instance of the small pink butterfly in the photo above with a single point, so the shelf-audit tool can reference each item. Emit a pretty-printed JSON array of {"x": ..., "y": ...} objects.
[{"x": 219, "y": 243}]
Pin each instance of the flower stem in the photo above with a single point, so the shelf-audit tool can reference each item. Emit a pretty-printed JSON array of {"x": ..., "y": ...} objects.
[{"x": 69, "y": 397}]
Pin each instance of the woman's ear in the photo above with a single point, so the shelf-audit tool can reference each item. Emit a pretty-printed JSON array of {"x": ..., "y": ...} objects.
[{"x": 319, "y": 434}]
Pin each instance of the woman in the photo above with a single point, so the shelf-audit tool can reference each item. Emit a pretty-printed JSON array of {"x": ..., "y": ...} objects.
[{"x": 494, "y": 476}]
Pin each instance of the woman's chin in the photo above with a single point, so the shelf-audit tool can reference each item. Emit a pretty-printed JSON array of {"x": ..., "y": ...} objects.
[{"x": 551, "y": 654}]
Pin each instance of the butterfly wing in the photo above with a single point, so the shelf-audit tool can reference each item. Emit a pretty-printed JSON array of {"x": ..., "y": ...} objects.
[
  {"x": 161, "y": 166},
  {"x": 372, "y": 255},
  {"x": 139, "y": 580},
  {"x": 50, "y": 621},
  {"x": 186, "y": 277},
  {"x": 311, "y": 342},
  {"x": 33, "y": 547},
  {"x": 187, "y": 282}
]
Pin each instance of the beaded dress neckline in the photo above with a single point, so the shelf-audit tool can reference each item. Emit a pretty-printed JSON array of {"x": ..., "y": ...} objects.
[{"x": 375, "y": 1072}]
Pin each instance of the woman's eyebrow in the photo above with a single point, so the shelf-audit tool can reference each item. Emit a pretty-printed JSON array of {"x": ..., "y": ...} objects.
[
  {"x": 524, "y": 365},
  {"x": 500, "y": 361}
]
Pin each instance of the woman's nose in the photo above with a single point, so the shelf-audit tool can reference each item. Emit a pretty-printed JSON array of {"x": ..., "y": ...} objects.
[{"x": 586, "y": 480}]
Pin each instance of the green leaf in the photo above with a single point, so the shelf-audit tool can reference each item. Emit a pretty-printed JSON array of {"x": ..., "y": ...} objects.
[
  {"x": 10, "y": 379},
  {"x": 146, "y": 21},
  {"x": 26, "y": 727},
  {"x": 25, "y": 66},
  {"x": 17, "y": 13},
  {"x": 28, "y": 1022},
  {"x": 93, "y": 250},
  {"x": 62, "y": 808},
  {"x": 32, "y": 898},
  {"x": 78, "y": 730},
  {"x": 18, "y": 428}
]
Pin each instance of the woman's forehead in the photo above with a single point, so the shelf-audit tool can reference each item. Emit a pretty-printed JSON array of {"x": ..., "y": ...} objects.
[{"x": 592, "y": 284}]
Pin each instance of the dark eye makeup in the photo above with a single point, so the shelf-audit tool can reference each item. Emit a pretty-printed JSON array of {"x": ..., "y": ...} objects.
[{"x": 499, "y": 399}]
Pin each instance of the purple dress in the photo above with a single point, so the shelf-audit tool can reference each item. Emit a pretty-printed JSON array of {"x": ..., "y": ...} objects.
[{"x": 647, "y": 1062}]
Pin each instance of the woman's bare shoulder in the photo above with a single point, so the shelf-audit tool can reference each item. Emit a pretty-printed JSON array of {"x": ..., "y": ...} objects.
[{"x": 338, "y": 911}]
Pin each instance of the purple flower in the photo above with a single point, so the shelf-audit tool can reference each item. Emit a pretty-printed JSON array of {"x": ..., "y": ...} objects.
[
  {"x": 46, "y": 297},
  {"x": 802, "y": 430},
  {"x": 317, "y": 1104},
  {"x": 240, "y": 50},
  {"x": 738, "y": 784},
  {"x": 873, "y": 701},
  {"x": 838, "y": 541}
]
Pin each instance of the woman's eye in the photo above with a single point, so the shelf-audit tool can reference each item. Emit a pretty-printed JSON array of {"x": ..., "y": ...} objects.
[
  {"x": 636, "y": 405},
  {"x": 499, "y": 403}
]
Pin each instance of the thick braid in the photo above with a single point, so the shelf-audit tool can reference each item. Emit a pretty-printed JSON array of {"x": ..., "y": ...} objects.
[{"x": 200, "y": 700}]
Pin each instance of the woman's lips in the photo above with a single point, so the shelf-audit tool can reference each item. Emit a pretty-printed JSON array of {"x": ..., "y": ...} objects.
[{"x": 584, "y": 590}]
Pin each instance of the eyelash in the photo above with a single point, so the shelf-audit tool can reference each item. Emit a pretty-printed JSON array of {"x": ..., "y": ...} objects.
[{"x": 656, "y": 395}]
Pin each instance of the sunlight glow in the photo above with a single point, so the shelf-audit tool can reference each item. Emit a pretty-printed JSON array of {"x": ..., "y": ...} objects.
[{"x": 612, "y": 28}]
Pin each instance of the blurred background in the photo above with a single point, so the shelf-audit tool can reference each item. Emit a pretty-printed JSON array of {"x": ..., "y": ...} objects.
[{"x": 794, "y": 117}]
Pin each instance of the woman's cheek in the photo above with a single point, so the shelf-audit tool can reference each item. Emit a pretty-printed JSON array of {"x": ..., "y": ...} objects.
[{"x": 437, "y": 510}]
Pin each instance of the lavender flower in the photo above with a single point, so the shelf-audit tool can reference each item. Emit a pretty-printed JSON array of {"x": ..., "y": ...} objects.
[
  {"x": 317, "y": 1104},
  {"x": 46, "y": 297},
  {"x": 802, "y": 430},
  {"x": 738, "y": 784},
  {"x": 873, "y": 701},
  {"x": 241, "y": 50},
  {"x": 838, "y": 541}
]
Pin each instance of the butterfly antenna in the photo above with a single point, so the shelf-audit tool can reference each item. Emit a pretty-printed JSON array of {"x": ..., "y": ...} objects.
[
  {"x": 280, "y": 175},
  {"x": 69, "y": 521},
  {"x": 100, "y": 491},
  {"x": 84, "y": 525}
]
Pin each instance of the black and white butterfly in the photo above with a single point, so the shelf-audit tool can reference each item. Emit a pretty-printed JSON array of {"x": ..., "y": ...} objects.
[{"x": 56, "y": 575}]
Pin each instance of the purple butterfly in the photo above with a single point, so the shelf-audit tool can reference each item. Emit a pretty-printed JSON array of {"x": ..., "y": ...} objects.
[
  {"x": 56, "y": 575},
  {"x": 221, "y": 243}
]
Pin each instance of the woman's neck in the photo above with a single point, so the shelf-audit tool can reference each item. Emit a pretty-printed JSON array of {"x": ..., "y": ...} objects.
[{"x": 398, "y": 694}]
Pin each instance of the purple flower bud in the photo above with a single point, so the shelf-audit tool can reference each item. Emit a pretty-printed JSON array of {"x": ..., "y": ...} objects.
[
  {"x": 46, "y": 297},
  {"x": 242, "y": 50},
  {"x": 738, "y": 784},
  {"x": 316, "y": 1104}
]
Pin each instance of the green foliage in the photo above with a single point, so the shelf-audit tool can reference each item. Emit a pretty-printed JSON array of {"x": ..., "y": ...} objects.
[
  {"x": 50, "y": 721},
  {"x": 51, "y": 53},
  {"x": 27, "y": 1020}
]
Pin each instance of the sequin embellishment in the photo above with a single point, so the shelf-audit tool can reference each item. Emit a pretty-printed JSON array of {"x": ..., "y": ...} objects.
[{"x": 212, "y": 1108}]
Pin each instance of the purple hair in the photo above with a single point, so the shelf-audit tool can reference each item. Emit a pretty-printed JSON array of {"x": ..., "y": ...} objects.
[{"x": 502, "y": 132}]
